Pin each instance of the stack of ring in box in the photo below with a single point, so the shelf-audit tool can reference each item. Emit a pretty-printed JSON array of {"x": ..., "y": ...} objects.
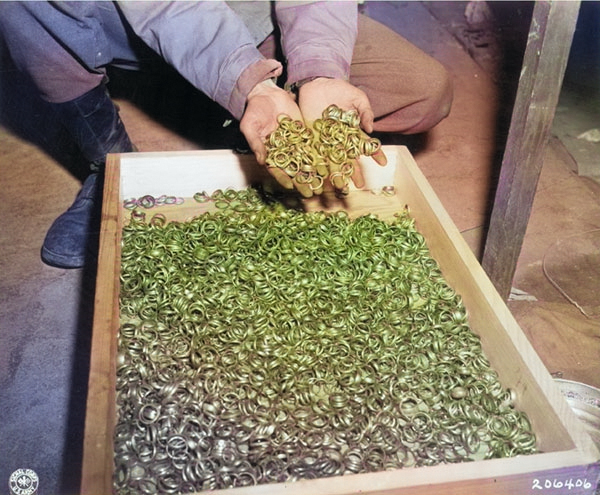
[{"x": 327, "y": 151}]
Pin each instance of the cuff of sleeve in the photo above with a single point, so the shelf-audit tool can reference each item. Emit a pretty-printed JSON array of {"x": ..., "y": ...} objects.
[
  {"x": 253, "y": 74},
  {"x": 311, "y": 69}
]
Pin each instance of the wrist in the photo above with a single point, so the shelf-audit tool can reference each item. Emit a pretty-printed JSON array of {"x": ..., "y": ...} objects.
[
  {"x": 262, "y": 87},
  {"x": 261, "y": 70},
  {"x": 295, "y": 86}
]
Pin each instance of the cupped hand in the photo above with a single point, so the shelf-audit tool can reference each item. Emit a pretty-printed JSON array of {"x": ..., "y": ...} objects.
[
  {"x": 265, "y": 103},
  {"x": 316, "y": 95}
]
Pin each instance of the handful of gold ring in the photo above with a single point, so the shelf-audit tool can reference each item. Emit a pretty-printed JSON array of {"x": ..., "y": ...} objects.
[{"x": 327, "y": 151}]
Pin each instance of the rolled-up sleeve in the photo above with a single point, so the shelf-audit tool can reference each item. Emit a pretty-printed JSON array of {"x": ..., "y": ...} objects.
[
  {"x": 207, "y": 43},
  {"x": 317, "y": 38}
]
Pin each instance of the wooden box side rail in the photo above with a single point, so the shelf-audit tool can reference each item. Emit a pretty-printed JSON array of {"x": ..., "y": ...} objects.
[
  {"x": 101, "y": 406},
  {"x": 567, "y": 449},
  {"x": 508, "y": 350}
]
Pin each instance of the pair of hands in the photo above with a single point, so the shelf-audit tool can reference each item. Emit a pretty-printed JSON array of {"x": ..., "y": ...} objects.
[{"x": 267, "y": 101}]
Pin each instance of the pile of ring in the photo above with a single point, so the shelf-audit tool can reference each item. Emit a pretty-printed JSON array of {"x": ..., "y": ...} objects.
[
  {"x": 327, "y": 151},
  {"x": 260, "y": 344}
]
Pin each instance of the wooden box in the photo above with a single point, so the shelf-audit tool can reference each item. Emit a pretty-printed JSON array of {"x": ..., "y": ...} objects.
[{"x": 569, "y": 462}]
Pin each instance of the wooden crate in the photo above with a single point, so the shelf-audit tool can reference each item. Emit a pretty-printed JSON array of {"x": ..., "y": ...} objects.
[{"x": 569, "y": 462}]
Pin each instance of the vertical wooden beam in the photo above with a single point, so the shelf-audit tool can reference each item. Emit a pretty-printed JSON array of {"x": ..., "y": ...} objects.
[{"x": 545, "y": 59}]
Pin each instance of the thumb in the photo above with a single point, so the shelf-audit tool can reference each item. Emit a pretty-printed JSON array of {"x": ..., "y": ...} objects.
[
  {"x": 254, "y": 141},
  {"x": 366, "y": 117},
  {"x": 258, "y": 148}
]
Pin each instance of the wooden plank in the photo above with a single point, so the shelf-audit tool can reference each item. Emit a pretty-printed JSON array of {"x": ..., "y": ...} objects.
[
  {"x": 552, "y": 27},
  {"x": 566, "y": 450},
  {"x": 100, "y": 409}
]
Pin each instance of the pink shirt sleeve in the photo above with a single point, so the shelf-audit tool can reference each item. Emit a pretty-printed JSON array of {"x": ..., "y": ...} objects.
[
  {"x": 207, "y": 43},
  {"x": 317, "y": 38}
]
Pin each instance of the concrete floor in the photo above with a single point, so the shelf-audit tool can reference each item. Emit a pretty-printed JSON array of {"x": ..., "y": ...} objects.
[{"x": 45, "y": 313}]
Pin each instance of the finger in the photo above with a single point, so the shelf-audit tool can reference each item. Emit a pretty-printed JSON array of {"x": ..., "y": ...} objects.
[
  {"x": 281, "y": 177},
  {"x": 317, "y": 184},
  {"x": 366, "y": 118},
  {"x": 258, "y": 148},
  {"x": 357, "y": 175},
  {"x": 304, "y": 189},
  {"x": 379, "y": 157},
  {"x": 318, "y": 190},
  {"x": 335, "y": 175}
]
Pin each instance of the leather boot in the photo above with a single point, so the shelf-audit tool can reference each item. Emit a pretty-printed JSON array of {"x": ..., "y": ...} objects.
[
  {"x": 93, "y": 120},
  {"x": 73, "y": 236}
]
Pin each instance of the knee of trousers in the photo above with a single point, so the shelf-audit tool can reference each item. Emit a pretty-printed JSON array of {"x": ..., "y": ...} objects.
[
  {"x": 428, "y": 103},
  {"x": 443, "y": 96},
  {"x": 437, "y": 101}
]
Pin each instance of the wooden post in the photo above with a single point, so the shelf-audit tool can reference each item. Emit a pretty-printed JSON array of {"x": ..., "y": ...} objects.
[{"x": 546, "y": 54}]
